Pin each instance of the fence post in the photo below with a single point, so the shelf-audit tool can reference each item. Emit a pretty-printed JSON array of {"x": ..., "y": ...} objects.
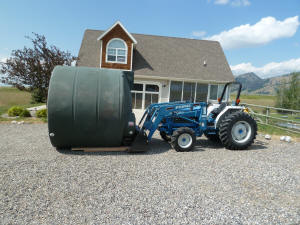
[{"x": 267, "y": 114}]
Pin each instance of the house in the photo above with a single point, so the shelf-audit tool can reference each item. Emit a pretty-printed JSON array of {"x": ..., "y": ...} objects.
[{"x": 165, "y": 68}]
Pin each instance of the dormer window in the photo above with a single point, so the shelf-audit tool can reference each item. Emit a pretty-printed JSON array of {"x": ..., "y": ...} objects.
[{"x": 116, "y": 51}]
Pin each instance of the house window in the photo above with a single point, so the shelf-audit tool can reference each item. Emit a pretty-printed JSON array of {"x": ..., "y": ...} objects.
[
  {"x": 188, "y": 91},
  {"x": 213, "y": 95},
  {"x": 201, "y": 92},
  {"x": 195, "y": 92},
  {"x": 116, "y": 51},
  {"x": 220, "y": 90},
  {"x": 175, "y": 91},
  {"x": 137, "y": 96},
  {"x": 216, "y": 91},
  {"x": 151, "y": 94},
  {"x": 144, "y": 94}
]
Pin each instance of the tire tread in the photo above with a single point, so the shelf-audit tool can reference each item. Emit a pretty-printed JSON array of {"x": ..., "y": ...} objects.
[
  {"x": 175, "y": 136},
  {"x": 225, "y": 130}
]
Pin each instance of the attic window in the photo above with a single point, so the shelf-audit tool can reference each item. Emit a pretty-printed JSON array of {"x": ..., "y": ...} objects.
[{"x": 116, "y": 51}]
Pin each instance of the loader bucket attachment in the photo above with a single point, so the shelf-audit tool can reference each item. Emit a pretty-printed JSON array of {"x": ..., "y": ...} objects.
[{"x": 140, "y": 143}]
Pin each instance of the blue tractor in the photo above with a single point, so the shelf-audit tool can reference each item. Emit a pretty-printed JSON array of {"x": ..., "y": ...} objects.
[{"x": 179, "y": 123}]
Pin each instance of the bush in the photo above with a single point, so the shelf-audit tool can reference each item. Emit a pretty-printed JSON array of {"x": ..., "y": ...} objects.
[
  {"x": 38, "y": 96},
  {"x": 42, "y": 113},
  {"x": 25, "y": 113},
  {"x": 15, "y": 111},
  {"x": 18, "y": 111}
]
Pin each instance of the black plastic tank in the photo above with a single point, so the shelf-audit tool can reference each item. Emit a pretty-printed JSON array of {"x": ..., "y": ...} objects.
[{"x": 90, "y": 107}]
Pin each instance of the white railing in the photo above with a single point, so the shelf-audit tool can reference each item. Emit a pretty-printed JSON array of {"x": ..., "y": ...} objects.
[{"x": 263, "y": 115}]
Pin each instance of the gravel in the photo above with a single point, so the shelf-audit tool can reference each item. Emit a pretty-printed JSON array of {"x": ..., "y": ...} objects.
[{"x": 210, "y": 185}]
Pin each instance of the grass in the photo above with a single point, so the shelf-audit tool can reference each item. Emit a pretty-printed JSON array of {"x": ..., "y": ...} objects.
[
  {"x": 13, "y": 96},
  {"x": 266, "y": 100},
  {"x": 275, "y": 131},
  {"x": 294, "y": 117},
  {"x": 10, "y": 96}
]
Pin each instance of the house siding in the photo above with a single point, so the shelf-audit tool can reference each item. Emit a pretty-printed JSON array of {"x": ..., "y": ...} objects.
[{"x": 116, "y": 32}]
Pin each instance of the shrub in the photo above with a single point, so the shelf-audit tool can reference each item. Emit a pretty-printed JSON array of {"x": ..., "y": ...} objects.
[
  {"x": 42, "y": 113},
  {"x": 38, "y": 96},
  {"x": 15, "y": 111},
  {"x": 25, "y": 113},
  {"x": 18, "y": 111}
]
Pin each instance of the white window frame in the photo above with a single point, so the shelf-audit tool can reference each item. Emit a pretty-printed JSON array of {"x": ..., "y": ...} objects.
[
  {"x": 126, "y": 52},
  {"x": 144, "y": 92}
]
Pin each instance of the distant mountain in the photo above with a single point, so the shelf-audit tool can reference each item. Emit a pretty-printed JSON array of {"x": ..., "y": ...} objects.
[
  {"x": 250, "y": 81},
  {"x": 253, "y": 84}
]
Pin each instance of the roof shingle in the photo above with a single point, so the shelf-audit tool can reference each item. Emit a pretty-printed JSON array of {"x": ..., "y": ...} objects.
[{"x": 169, "y": 57}]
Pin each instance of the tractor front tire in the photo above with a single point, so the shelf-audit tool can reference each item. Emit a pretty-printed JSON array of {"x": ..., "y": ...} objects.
[
  {"x": 164, "y": 136},
  {"x": 237, "y": 131},
  {"x": 183, "y": 139}
]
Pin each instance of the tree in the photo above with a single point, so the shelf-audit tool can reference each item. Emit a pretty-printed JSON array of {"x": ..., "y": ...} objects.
[
  {"x": 31, "y": 68},
  {"x": 288, "y": 95}
]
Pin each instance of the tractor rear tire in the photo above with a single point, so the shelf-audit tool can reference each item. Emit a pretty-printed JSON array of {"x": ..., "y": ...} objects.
[
  {"x": 237, "y": 131},
  {"x": 183, "y": 139},
  {"x": 212, "y": 137},
  {"x": 164, "y": 136}
]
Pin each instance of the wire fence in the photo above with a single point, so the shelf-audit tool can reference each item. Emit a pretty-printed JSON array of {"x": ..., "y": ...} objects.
[{"x": 284, "y": 119}]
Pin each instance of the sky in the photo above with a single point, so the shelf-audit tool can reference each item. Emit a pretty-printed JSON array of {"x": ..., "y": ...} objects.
[{"x": 260, "y": 36}]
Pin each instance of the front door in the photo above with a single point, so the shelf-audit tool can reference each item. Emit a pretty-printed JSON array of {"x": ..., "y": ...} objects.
[{"x": 144, "y": 94}]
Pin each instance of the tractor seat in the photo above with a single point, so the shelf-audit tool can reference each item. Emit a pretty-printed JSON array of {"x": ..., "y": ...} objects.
[{"x": 216, "y": 111}]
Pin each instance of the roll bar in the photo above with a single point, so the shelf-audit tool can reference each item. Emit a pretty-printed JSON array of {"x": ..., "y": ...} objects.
[{"x": 237, "y": 100}]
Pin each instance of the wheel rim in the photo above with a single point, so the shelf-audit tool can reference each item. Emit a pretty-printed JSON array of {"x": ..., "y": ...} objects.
[
  {"x": 185, "y": 140},
  {"x": 241, "y": 131}
]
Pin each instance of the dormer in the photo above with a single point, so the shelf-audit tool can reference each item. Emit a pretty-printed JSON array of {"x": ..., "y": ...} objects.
[{"x": 116, "y": 48}]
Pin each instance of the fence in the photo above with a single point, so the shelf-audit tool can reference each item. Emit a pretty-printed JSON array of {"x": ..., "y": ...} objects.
[{"x": 284, "y": 119}]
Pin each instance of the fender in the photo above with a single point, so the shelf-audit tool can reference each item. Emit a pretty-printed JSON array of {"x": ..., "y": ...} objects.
[
  {"x": 211, "y": 107},
  {"x": 228, "y": 109}
]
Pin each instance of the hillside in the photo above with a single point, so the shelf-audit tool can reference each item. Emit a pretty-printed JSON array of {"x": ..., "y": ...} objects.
[
  {"x": 250, "y": 81},
  {"x": 253, "y": 84}
]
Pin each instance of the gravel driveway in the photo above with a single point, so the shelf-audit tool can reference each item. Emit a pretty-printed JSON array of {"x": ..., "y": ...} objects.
[{"x": 210, "y": 185}]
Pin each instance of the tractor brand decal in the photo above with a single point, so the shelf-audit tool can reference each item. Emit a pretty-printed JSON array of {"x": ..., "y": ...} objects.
[{"x": 182, "y": 106}]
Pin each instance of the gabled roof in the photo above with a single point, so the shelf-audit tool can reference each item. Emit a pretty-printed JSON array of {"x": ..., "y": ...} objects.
[
  {"x": 115, "y": 24},
  {"x": 166, "y": 57}
]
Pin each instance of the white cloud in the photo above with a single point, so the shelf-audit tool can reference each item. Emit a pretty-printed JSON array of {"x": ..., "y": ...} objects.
[
  {"x": 199, "y": 34},
  {"x": 3, "y": 59},
  {"x": 240, "y": 3},
  {"x": 221, "y": 2},
  {"x": 232, "y": 2},
  {"x": 264, "y": 31},
  {"x": 270, "y": 69}
]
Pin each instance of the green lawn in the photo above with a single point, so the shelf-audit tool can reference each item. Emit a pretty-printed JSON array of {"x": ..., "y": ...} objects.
[
  {"x": 10, "y": 96},
  {"x": 266, "y": 100},
  {"x": 276, "y": 131}
]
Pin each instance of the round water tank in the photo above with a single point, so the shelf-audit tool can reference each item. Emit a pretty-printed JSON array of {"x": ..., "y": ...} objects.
[{"x": 89, "y": 107}]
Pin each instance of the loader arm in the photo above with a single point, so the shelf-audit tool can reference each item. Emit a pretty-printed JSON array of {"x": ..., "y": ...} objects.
[{"x": 156, "y": 113}]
